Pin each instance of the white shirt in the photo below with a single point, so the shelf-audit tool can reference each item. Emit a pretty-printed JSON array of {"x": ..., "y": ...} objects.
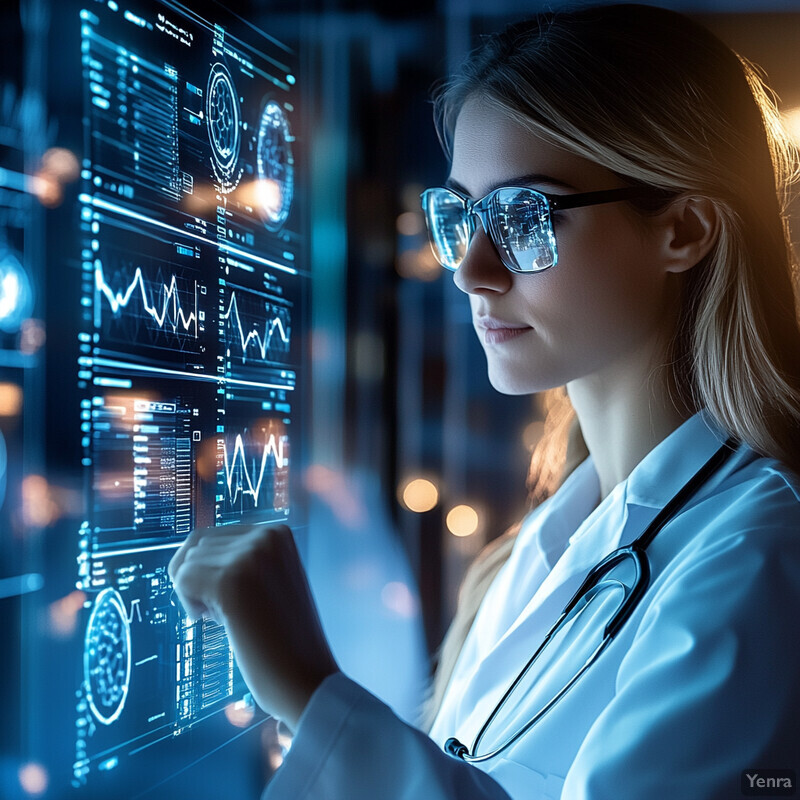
[{"x": 701, "y": 684}]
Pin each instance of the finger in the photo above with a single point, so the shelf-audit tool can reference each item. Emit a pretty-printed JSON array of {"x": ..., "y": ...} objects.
[
  {"x": 201, "y": 536},
  {"x": 190, "y": 585},
  {"x": 180, "y": 554}
]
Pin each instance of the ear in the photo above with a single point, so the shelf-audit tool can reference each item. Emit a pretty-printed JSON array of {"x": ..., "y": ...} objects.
[{"x": 689, "y": 227}]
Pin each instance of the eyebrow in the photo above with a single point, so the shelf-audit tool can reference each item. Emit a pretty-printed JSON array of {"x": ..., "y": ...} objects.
[{"x": 533, "y": 178}]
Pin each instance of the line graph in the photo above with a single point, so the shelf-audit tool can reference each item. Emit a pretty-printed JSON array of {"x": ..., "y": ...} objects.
[
  {"x": 269, "y": 335},
  {"x": 256, "y": 468},
  {"x": 170, "y": 314}
]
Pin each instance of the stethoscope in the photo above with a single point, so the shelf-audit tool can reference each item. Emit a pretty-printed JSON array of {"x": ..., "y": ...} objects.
[{"x": 633, "y": 553}]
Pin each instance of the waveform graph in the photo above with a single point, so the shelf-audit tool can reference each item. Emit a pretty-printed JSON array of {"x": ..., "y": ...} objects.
[
  {"x": 160, "y": 302},
  {"x": 151, "y": 304},
  {"x": 146, "y": 295},
  {"x": 253, "y": 481},
  {"x": 256, "y": 329}
]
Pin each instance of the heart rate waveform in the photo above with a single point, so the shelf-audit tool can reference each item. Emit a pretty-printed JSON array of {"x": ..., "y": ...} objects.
[
  {"x": 255, "y": 329},
  {"x": 255, "y": 468},
  {"x": 163, "y": 306}
]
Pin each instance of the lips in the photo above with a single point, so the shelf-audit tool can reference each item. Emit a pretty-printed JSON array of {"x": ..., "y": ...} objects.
[{"x": 497, "y": 331}]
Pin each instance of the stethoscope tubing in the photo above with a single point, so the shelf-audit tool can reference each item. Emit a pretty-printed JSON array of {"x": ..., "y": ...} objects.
[{"x": 635, "y": 551}]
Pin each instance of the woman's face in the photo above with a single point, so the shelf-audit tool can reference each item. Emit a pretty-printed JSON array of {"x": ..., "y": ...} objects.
[{"x": 608, "y": 304}]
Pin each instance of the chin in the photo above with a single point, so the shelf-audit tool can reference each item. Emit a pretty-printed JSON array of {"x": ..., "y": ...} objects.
[{"x": 506, "y": 383}]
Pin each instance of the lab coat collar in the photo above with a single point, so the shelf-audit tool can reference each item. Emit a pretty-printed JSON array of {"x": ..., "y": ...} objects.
[
  {"x": 653, "y": 482},
  {"x": 658, "y": 477}
]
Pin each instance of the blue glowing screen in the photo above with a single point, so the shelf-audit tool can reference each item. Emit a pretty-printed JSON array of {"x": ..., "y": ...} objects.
[{"x": 176, "y": 376}]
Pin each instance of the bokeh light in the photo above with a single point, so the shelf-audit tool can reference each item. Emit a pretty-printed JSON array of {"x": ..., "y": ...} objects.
[
  {"x": 418, "y": 263},
  {"x": 462, "y": 520},
  {"x": 10, "y": 400},
  {"x": 419, "y": 494},
  {"x": 411, "y": 223},
  {"x": 532, "y": 434},
  {"x": 791, "y": 119},
  {"x": 63, "y": 614},
  {"x": 398, "y": 598},
  {"x": 240, "y": 713},
  {"x": 39, "y": 509},
  {"x": 33, "y": 779}
]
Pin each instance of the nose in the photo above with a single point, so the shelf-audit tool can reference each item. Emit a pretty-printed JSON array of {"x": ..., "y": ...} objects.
[{"x": 481, "y": 270}]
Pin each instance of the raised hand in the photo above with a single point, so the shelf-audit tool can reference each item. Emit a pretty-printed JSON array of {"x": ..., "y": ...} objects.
[{"x": 250, "y": 579}]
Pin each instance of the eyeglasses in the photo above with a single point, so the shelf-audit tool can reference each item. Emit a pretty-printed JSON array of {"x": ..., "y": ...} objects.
[{"x": 517, "y": 219}]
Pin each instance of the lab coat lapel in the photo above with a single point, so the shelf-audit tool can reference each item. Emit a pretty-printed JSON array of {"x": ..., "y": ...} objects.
[{"x": 622, "y": 516}]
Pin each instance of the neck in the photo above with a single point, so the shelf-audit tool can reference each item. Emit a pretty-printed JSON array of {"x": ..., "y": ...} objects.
[{"x": 624, "y": 412}]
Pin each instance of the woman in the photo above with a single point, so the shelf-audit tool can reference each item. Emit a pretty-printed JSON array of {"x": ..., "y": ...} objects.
[{"x": 613, "y": 213}]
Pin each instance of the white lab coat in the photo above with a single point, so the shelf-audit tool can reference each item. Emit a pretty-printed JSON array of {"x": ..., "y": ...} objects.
[{"x": 701, "y": 684}]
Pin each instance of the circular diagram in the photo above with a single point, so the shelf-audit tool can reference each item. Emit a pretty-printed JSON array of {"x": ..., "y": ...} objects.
[
  {"x": 275, "y": 166},
  {"x": 224, "y": 130},
  {"x": 107, "y": 656}
]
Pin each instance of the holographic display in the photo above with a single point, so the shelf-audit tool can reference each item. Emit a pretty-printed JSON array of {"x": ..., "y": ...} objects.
[{"x": 192, "y": 305}]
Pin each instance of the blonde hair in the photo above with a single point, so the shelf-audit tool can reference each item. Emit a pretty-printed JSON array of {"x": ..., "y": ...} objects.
[{"x": 662, "y": 102}]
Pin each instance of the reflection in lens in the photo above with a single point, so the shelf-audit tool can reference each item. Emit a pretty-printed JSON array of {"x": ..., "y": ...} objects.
[
  {"x": 522, "y": 219},
  {"x": 450, "y": 232}
]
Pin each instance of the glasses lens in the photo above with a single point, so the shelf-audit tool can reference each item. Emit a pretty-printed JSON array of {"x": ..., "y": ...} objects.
[
  {"x": 447, "y": 225},
  {"x": 523, "y": 229}
]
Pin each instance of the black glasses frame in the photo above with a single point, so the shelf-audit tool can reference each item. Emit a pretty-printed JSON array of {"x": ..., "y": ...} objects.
[{"x": 482, "y": 209}]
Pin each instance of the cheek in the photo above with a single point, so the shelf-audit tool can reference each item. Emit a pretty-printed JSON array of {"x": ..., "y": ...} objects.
[{"x": 595, "y": 297}]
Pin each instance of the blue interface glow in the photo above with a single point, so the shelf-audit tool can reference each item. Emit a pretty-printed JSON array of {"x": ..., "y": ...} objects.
[{"x": 192, "y": 301}]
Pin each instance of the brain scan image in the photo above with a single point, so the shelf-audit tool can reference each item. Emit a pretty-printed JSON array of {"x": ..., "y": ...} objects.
[
  {"x": 107, "y": 656},
  {"x": 223, "y": 118},
  {"x": 275, "y": 166}
]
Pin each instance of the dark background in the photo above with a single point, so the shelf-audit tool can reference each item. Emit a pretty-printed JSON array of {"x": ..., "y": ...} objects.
[{"x": 399, "y": 382}]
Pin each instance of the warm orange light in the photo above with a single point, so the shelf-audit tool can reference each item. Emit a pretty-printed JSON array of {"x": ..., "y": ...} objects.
[
  {"x": 791, "y": 120},
  {"x": 419, "y": 494},
  {"x": 63, "y": 614},
  {"x": 276, "y": 742},
  {"x": 200, "y": 198},
  {"x": 270, "y": 196},
  {"x": 47, "y": 189},
  {"x": 240, "y": 714},
  {"x": 61, "y": 164},
  {"x": 10, "y": 400},
  {"x": 38, "y": 507},
  {"x": 262, "y": 193},
  {"x": 532, "y": 434},
  {"x": 462, "y": 520},
  {"x": 410, "y": 223},
  {"x": 33, "y": 779},
  {"x": 418, "y": 264}
]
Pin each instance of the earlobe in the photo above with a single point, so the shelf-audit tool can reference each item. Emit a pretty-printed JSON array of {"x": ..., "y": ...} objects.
[{"x": 690, "y": 231}]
